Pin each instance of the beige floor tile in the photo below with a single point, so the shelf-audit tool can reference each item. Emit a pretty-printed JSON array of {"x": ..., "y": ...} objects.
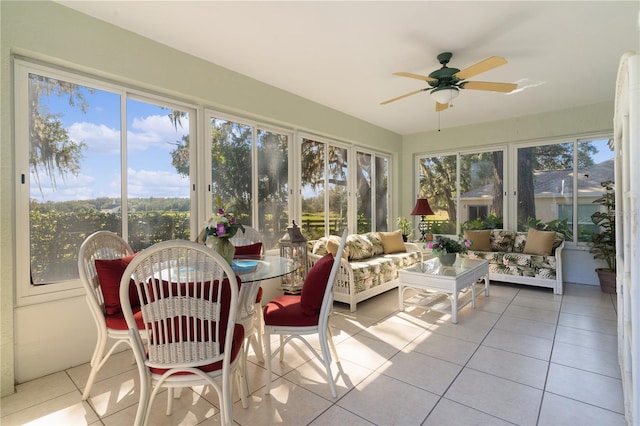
[
  {"x": 589, "y": 323},
  {"x": 394, "y": 331},
  {"x": 508, "y": 365},
  {"x": 339, "y": 416},
  {"x": 447, "y": 413},
  {"x": 287, "y": 404},
  {"x": 115, "y": 393},
  {"x": 473, "y": 325},
  {"x": 543, "y": 330},
  {"x": 383, "y": 400},
  {"x": 490, "y": 304},
  {"x": 368, "y": 352},
  {"x": 117, "y": 363},
  {"x": 542, "y": 293},
  {"x": 535, "y": 301},
  {"x": 312, "y": 376},
  {"x": 423, "y": 371},
  {"x": 65, "y": 409},
  {"x": 587, "y": 339},
  {"x": 443, "y": 347},
  {"x": 504, "y": 292},
  {"x": 591, "y": 388},
  {"x": 36, "y": 392},
  {"x": 607, "y": 313},
  {"x": 557, "y": 410},
  {"x": 531, "y": 346},
  {"x": 498, "y": 397},
  {"x": 534, "y": 314},
  {"x": 593, "y": 360}
]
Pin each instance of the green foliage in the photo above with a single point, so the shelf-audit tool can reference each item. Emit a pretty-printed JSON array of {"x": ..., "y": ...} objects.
[
  {"x": 489, "y": 222},
  {"x": 604, "y": 242},
  {"x": 405, "y": 226},
  {"x": 442, "y": 245},
  {"x": 557, "y": 225}
]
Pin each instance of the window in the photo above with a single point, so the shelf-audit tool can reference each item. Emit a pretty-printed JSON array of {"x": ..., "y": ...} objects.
[
  {"x": 81, "y": 171},
  {"x": 551, "y": 183},
  {"x": 248, "y": 160},
  {"x": 371, "y": 192}
]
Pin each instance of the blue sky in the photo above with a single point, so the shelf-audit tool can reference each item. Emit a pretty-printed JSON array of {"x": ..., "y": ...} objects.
[{"x": 150, "y": 135}]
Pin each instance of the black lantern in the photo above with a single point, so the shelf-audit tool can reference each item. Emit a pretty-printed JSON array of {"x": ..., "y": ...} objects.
[{"x": 293, "y": 246}]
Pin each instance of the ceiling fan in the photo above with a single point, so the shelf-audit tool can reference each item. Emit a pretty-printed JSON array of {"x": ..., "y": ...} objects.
[{"x": 445, "y": 83}]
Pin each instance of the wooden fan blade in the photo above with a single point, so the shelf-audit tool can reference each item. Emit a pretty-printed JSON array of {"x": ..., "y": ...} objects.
[
  {"x": 441, "y": 107},
  {"x": 403, "y": 96},
  {"x": 492, "y": 87},
  {"x": 480, "y": 67},
  {"x": 416, "y": 76}
]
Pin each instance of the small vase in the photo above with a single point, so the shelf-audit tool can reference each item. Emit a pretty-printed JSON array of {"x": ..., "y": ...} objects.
[
  {"x": 222, "y": 246},
  {"x": 447, "y": 259}
]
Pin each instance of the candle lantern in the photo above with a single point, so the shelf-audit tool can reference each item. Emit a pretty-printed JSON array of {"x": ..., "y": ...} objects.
[{"x": 293, "y": 246}]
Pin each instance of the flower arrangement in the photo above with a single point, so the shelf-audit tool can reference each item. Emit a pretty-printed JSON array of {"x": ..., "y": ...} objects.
[
  {"x": 442, "y": 245},
  {"x": 222, "y": 224}
]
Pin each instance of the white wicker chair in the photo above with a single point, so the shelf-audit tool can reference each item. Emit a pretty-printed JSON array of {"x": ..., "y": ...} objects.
[
  {"x": 189, "y": 298},
  {"x": 285, "y": 316},
  {"x": 101, "y": 245}
]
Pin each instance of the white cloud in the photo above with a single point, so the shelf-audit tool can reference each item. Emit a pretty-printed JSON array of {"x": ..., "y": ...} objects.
[
  {"x": 155, "y": 131},
  {"x": 98, "y": 137},
  {"x": 152, "y": 183}
]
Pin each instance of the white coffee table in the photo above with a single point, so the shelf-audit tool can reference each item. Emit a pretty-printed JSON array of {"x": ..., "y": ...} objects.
[{"x": 433, "y": 281}]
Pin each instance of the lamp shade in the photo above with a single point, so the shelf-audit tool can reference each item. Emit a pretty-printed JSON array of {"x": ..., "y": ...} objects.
[
  {"x": 444, "y": 95},
  {"x": 422, "y": 208}
]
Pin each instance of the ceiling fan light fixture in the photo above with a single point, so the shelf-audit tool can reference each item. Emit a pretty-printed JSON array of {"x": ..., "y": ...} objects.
[{"x": 444, "y": 95}]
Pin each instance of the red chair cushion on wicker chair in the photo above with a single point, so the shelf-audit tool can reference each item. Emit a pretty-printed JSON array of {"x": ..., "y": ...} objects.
[
  {"x": 287, "y": 310},
  {"x": 109, "y": 275},
  {"x": 117, "y": 321},
  {"x": 249, "y": 250},
  {"x": 314, "y": 285}
]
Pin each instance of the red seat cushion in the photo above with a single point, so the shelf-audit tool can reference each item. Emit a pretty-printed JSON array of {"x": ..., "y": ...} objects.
[
  {"x": 249, "y": 250},
  {"x": 117, "y": 321},
  {"x": 314, "y": 285},
  {"x": 287, "y": 310},
  {"x": 109, "y": 275}
]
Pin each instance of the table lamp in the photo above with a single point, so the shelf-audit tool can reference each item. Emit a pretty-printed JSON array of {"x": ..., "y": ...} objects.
[{"x": 422, "y": 209}]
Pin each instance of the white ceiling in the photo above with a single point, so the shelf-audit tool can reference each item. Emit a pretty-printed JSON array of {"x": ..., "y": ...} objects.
[{"x": 343, "y": 54}]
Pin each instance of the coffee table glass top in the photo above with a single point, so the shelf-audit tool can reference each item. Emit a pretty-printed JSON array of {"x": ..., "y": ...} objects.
[{"x": 434, "y": 267}]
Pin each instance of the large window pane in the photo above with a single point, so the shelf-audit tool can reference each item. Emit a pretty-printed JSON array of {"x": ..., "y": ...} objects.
[
  {"x": 595, "y": 165},
  {"x": 74, "y": 172},
  {"x": 273, "y": 186},
  {"x": 338, "y": 194},
  {"x": 482, "y": 188},
  {"x": 364, "y": 192},
  {"x": 438, "y": 184},
  {"x": 231, "y": 167},
  {"x": 545, "y": 181},
  {"x": 313, "y": 188},
  {"x": 158, "y": 196},
  {"x": 381, "y": 179}
]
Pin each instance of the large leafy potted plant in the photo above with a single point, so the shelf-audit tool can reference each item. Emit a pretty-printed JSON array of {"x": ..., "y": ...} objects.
[{"x": 604, "y": 242}]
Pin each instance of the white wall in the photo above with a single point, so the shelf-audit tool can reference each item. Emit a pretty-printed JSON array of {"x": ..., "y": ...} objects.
[{"x": 47, "y": 337}]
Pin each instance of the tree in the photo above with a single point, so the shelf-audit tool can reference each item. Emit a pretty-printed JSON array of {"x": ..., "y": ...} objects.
[{"x": 52, "y": 150}]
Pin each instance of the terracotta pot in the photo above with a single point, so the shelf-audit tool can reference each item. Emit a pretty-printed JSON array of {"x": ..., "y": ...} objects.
[{"x": 607, "y": 280}]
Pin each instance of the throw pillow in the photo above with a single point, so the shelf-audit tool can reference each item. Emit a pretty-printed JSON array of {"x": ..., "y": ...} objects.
[
  {"x": 249, "y": 250},
  {"x": 480, "y": 240},
  {"x": 539, "y": 242},
  {"x": 333, "y": 243},
  {"x": 392, "y": 242},
  {"x": 109, "y": 273},
  {"x": 315, "y": 284},
  {"x": 359, "y": 247}
]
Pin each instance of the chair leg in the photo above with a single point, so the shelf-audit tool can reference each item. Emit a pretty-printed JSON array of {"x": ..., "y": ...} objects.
[
  {"x": 260, "y": 349},
  {"x": 267, "y": 344},
  {"x": 96, "y": 364},
  {"x": 241, "y": 381},
  {"x": 169, "y": 401},
  {"x": 332, "y": 345},
  {"x": 243, "y": 385},
  {"x": 326, "y": 360}
]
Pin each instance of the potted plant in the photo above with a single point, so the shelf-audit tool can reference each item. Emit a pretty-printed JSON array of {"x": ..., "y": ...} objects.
[
  {"x": 405, "y": 227},
  {"x": 604, "y": 242}
]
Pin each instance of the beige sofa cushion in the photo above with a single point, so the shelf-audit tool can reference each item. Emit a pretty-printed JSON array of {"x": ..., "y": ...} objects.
[
  {"x": 539, "y": 242},
  {"x": 480, "y": 240},
  {"x": 332, "y": 247},
  {"x": 392, "y": 242}
]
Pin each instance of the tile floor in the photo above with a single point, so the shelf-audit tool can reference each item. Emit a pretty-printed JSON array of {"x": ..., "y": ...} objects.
[{"x": 523, "y": 356}]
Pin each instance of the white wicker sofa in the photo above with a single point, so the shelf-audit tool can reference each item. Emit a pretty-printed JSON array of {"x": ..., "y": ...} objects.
[
  {"x": 512, "y": 260},
  {"x": 371, "y": 264}
]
